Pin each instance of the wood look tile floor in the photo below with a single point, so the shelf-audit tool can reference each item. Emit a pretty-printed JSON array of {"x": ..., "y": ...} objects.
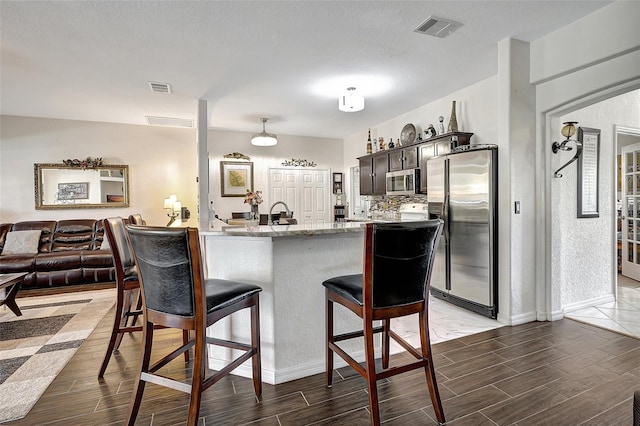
[{"x": 541, "y": 373}]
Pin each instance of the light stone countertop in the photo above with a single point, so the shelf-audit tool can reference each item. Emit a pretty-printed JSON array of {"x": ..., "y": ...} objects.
[{"x": 222, "y": 229}]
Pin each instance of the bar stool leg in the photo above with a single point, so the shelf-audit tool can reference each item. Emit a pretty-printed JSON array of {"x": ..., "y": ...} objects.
[
  {"x": 255, "y": 342},
  {"x": 329, "y": 339},
  {"x": 372, "y": 384},
  {"x": 429, "y": 369},
  {"x": 138, "y": 389},
  {"x": 386, "y": 326}
]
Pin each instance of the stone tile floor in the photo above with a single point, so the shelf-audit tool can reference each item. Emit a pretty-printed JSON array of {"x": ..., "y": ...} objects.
[{"x": 622, "y": 316}]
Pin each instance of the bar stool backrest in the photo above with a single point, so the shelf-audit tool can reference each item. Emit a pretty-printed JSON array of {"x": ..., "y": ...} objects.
[
  {"x": 164, "y": 257},
  {"x": 401, "y": 261},
  {"x": 116, "y": 234}
]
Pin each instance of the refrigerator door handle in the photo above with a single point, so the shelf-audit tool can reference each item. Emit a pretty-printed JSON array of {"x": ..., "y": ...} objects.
[
  {"x": 445, "y": 204},
  {"x": 445, "y": 217}
]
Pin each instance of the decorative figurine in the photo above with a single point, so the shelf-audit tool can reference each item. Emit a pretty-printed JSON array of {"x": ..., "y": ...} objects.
[
  {"x": 441, "y": 125},
  {"x": 381, "y": 141},
  {"x": 391, "y": 144},
  {"x": 430, "y": 132}
]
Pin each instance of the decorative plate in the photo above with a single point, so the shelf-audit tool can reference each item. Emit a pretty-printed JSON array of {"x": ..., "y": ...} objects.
[{"x": 408, "y": 134}]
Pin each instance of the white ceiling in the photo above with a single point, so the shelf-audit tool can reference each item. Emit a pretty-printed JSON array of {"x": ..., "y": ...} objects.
[{"x": 286, "y": 60}]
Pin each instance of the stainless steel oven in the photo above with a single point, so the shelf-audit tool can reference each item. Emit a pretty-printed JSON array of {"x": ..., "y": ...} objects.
[{"x": 403, "y": 182}]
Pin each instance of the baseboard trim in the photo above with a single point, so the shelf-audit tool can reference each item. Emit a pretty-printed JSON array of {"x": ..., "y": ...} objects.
[
  {"x": 588, "y": 303},
  {"x": 285, "y": 374},
  {"x": 523, "y": 318}
]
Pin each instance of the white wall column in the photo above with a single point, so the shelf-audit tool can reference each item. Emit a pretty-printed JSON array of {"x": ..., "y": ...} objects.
[
  {"x": 203, "y": 165},
  {"x": 516, "y": 133}
]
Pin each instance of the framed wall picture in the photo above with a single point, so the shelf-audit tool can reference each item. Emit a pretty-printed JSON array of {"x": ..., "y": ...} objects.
[
  {"x": 588, "y": 167},
  {"x": 235, "y": 178},
  {"x": 73, "y": 191}
]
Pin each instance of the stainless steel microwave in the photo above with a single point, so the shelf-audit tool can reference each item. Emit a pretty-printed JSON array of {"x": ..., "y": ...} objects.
[{"x": 403, "y": 182}]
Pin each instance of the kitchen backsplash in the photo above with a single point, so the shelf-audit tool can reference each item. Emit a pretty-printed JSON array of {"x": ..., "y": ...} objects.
[{"x": 387, "y": 206}]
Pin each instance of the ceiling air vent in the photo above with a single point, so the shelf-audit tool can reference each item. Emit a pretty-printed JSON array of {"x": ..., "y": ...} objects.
[
  {"x": 163, "y": 88},
  {"x": 168, "y": 121},
  {"x": 437, "y": 27}
]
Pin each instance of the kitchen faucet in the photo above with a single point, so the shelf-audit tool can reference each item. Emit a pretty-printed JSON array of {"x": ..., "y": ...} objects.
[{"x": 275, "y": 204}]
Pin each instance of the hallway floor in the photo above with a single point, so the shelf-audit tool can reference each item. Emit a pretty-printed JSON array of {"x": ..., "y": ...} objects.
[{"x": 622, "y": 316}]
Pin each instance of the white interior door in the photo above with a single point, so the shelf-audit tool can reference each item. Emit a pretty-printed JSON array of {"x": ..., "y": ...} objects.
[
  {"x": 306, "y": 193},
  {"x": 315, "y": 197},
  {"x": 631, "y": 211},
  {"x": 283, "y": 186}
]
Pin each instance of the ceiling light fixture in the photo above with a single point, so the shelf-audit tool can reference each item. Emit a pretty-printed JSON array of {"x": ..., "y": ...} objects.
[
  {"x": 263, "y": 138},
  {"x": 350, "y": 102}
]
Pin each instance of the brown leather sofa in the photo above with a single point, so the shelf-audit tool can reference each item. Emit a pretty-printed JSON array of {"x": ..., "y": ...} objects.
[{"x": 69, "y": 253}]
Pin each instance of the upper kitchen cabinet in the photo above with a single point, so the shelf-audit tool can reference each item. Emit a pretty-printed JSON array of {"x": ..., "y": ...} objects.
[
  {"x": 433, "y": 149},
  {"x": 374, "y": 167},
  {"x": 373, "y": 171},
  {"x": 403, "y": 159},
  {"x": 439, "y": 145}
]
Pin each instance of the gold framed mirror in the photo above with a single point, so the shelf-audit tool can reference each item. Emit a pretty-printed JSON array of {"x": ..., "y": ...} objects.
[{"x": 60, "y": 186}]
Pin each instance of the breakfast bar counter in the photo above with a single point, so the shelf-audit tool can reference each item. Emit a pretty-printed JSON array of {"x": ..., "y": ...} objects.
[
  {"x": 289, "y": 262},
  {"x": 223, "y": 229}
]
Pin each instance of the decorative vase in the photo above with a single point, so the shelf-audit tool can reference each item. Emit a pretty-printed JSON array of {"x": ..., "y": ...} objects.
[
  {"x": 255, "y": 214},
  {"x": 453, "y": 121}
]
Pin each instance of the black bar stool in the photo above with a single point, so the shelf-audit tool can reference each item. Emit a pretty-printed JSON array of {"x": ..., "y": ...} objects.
[
  {"x": 398, "y": 259},
  {"x": 175, "y": 294}
]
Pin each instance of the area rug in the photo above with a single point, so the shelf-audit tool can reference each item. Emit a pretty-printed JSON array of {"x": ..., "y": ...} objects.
[{"x": 36, "y": 346}]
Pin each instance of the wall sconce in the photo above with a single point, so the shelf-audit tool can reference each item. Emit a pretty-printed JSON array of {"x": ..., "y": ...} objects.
[
  {"x": 173, "y": 208},
  {"x": 567, "y": 131}
]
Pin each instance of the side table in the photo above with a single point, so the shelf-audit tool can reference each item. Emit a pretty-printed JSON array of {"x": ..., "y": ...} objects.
[{"x": 14, "y": 281}]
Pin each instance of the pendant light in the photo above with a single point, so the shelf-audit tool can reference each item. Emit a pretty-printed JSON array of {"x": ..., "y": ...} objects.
[
  {"x": 263, "y": 138},
  {"x": 350, "y": 102}
]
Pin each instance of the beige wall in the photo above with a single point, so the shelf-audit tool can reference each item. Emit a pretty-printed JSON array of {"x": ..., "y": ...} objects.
[
  {"x": 326, "y": 153},
  {"x": 162, "y": 161}
]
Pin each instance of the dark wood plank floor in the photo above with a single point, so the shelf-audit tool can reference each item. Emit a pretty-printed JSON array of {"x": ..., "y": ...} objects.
[{"x": 541, "y": 373}]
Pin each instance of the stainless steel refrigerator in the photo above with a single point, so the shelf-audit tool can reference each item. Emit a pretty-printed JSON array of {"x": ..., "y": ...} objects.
[{"x": 462, "y": 189}]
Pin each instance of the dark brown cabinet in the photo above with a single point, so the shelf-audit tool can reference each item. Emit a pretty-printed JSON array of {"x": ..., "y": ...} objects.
[
  {"x": 403, "y": 159},
  {"x": 374, "y": 167},
  {"x": 373, "y": 170}
]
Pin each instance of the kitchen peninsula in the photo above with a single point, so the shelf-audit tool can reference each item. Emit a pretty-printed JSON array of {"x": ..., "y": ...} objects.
[{"x": 289, "y": 262}]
